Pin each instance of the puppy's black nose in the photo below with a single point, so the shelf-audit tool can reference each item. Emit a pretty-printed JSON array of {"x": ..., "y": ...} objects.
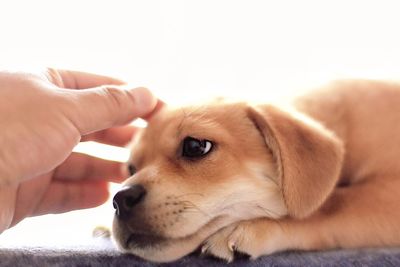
[{"x": 126, "y": 199}]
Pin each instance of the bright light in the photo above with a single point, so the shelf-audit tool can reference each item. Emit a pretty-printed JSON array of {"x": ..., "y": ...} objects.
[{"x": 189, "y": 50}]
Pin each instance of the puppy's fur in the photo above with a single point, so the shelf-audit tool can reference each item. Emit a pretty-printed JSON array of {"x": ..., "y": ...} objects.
[{"x": 321, "y": 174}]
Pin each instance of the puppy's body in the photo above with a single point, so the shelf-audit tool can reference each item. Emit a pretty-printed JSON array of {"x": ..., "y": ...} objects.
[
  {"x": 274, "y": 180},
  {"x": 365, "y": 115},
  {"x": 362, "y": 211}
]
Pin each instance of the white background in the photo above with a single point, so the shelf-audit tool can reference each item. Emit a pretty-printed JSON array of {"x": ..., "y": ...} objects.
[{"x": 189, "y": 50}]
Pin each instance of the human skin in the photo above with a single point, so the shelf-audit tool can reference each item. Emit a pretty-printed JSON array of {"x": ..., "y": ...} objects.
[{"x": 43, "y": 116}]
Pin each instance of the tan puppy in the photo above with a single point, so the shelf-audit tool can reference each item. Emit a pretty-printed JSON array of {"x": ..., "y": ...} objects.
[{"x": 261, "y": 179}]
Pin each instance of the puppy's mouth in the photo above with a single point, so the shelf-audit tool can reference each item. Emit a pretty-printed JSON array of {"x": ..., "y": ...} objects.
[
  {"x": 159, "y": 248},
  {"x": 139, "y": 240}
]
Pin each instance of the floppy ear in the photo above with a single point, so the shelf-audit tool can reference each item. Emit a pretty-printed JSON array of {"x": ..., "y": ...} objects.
[{"x": 309, "y": 157}]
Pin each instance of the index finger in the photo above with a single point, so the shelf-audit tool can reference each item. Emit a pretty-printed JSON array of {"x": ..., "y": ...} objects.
[
  {"x": 160, "y": 105},
  {"x": 80, "y": 80},
  {"x": 122, "y": 135}
]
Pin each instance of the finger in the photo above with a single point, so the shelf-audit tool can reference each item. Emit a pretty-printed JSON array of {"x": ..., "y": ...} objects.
[
  {"x": 160, "y": 105},
  {"x": 80, "y": 166},
  {"x": 79, "y": 80},
  {"x": 63, "y": 196},
  {"x": 29, "y": 195},
  {"x": 117, "y": 136},
  {"x": 104, "y": 107}
]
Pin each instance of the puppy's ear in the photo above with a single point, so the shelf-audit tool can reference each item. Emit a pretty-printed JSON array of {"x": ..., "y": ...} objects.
[{"x": 309, "y": 158}]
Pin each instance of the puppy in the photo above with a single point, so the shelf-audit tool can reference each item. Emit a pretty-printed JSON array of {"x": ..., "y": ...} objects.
[{"x": 322, "y": 173}]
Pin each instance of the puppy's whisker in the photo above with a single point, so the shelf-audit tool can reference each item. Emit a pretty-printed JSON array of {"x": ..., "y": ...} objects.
[
  {"x": 190, "y": 194},
  {"x": 280, "y": 224},
  {"x": 268, "y": 212},
  {"x": 195, "y": 210},
  {"x": 189, "y": 206},
  {"x": 187, "y": 203}
]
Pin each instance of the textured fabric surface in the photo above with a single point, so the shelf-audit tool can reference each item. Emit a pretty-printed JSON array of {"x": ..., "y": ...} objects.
[{"x": 101, "y": 252}]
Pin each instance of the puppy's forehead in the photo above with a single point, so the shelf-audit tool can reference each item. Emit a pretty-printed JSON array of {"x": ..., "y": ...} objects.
[
  {"x": 164, "y": 125},
  {"x": 201, "y": 115}
]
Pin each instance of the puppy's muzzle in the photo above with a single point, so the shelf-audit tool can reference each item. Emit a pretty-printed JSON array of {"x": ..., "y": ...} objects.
[{"x": 126, "y": 199}]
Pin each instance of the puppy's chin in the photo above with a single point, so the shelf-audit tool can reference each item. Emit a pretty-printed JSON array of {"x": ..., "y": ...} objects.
[{"x": 163, "y": 249}]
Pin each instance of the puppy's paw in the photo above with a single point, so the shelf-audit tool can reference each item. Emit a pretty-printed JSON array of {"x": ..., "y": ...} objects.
[
  {"x": 254, "y": 238},
  {"x": 217, "y": 244},
  {"x": 251, "y": 238}
]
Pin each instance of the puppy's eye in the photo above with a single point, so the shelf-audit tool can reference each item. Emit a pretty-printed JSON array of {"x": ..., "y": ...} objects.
[
  {"x": 131, "y": 169},
  {"x": 194, "y": 148}
]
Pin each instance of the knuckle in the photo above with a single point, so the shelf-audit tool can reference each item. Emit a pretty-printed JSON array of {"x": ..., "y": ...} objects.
[{"x": 117, "y": 97}]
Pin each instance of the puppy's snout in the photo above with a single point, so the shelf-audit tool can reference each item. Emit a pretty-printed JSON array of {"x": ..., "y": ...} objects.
[{"x": 126, "y": 199}]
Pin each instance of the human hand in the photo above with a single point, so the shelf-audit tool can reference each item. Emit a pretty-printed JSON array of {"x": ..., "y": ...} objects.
[{"x": 42, "y": 118}]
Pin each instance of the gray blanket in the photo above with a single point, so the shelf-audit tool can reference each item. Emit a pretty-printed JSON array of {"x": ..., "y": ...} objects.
[{"x": 101, "y": 252}]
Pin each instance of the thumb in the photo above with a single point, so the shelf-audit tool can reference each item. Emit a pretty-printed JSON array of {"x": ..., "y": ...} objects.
[{"x": 107, "y": 106}]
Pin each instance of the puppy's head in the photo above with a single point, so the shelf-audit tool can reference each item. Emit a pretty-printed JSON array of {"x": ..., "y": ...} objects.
[{"x": 196, "y": 170}]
